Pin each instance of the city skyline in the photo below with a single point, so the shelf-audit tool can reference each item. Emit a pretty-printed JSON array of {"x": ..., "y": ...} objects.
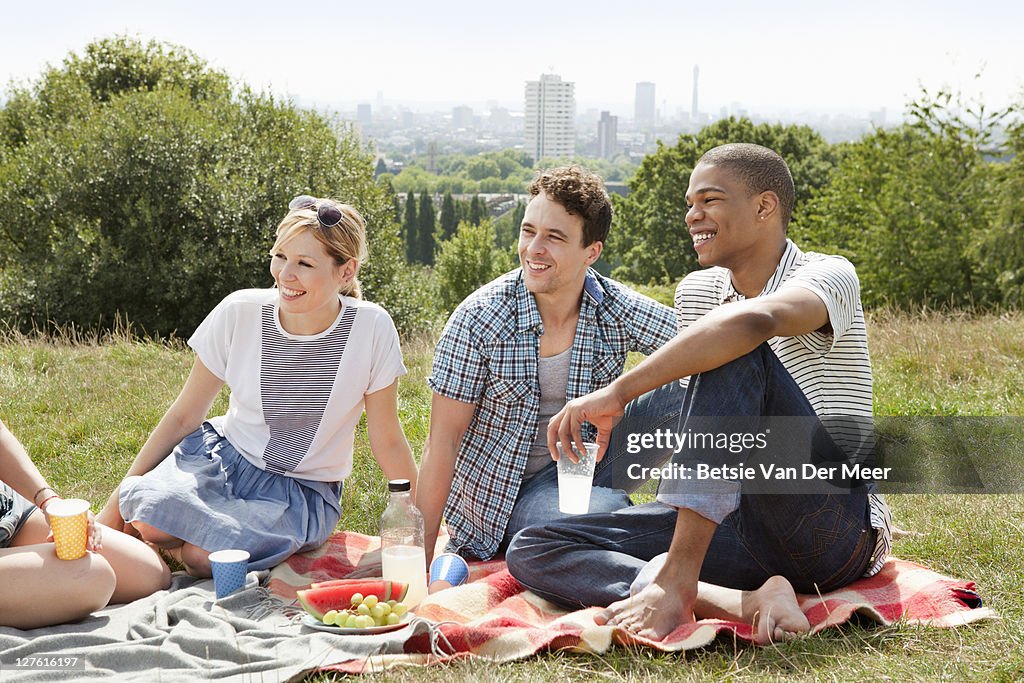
[{"x": 797, "y": 57}]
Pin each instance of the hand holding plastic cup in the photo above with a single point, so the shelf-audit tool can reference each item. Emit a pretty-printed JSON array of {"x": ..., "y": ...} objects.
[
  {"x": 575, "y": 479},
  {"x": 229, "y": 568},
  {"x": 69, "y": 520},
  {"x": 446, "y": 571}
]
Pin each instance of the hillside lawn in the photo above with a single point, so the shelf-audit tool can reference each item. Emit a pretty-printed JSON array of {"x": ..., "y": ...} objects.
[{"x": 84, "y": 406}]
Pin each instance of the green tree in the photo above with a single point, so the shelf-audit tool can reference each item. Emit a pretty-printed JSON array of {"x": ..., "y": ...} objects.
[
  {"x": 425, "y": 235},
  {"x": 506, "y": 226},
  {"x": 649, "y": 242},
  {"x": 911, "y": 207},
  {"x": 449, "y": 216},
  {"x": 477, "y": 210},
  {"x": 411, "y": 229},
  {"x": 467, "y": 261},
  {"x": 1001, "y": 248},
  {"x": 135, "y": 182}
]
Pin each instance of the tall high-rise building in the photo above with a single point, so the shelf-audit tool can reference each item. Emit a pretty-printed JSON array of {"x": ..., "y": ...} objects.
[
  {"x": 462, "y": 117},
  {"x": 643, "y": 107},
  {"x": 607, "y": 135},
  {"x": 364, "y": 114},
  {"x": 550, "y": 118},
  {"x": 694, "y": 111}
]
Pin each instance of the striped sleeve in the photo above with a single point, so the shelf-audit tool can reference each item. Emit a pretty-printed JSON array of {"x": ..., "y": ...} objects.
[{"x": 834, "y": 281}]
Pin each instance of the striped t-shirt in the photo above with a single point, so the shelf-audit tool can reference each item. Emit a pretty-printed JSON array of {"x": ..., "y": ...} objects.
[
  {"x": 831, "y": 367},
  {"x": 296, "y": 399}
]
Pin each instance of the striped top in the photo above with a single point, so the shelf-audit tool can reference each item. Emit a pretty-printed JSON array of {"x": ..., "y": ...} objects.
[
  {"x": 831, "y": 366},
  {"x": 296, "y": 380},
  {"x": 296, "y": 399}
]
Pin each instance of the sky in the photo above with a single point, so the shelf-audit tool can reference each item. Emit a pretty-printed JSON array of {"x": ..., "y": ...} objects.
[{"x": 784, "y": 56}]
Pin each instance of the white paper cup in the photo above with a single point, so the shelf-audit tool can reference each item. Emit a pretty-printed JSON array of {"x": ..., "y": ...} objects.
[
  {"x": 229, "y": 568},
  {"x": 575, "y": 479},
  {"x": 69, "y": 520}
]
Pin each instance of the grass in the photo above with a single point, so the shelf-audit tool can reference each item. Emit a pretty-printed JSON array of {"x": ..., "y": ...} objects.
[{"x": 83, "y": 407}]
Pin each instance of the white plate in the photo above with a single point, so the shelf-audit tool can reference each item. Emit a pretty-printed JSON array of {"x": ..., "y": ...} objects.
[{"x": 314, "y": 623}]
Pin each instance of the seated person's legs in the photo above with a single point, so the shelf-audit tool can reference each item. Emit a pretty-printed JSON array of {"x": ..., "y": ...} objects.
[
  {"x": 38, "y": 589},
  {"x": 138, "y": 568},
  {"x": 814, "y": 539},
  {"x": 819, "y": 540},
  {"x": 590, "y": 559}
]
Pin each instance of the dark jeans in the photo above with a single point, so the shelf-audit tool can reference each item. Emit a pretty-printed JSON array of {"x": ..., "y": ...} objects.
[
  {"x": 819, "y": 541},
  {"x": 537, "y": 501}
]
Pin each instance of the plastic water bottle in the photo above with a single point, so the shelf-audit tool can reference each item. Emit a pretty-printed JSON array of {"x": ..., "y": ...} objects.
[{"x": 401, "y": 542}]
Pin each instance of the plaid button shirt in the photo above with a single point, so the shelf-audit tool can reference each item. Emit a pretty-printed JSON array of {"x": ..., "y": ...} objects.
[{"x": 487, "y": 355}]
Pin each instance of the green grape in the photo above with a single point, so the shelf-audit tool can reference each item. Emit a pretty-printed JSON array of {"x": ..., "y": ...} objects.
[
  {"x": 363, "y": 608},
  {"x": 378, "y": 621},
  {"x": 370, "y": 601},
  {"x": 392, "y": 603},
  {"x": 392, "y": 619},
  {"x": 385, "y": 608},
  {"x": 352, "y": 621},
  {"x": 365, "y": 621},
  {"x": 330, "y": 618},
  {"x": 377, "y": 611},
  {"x": 400, "y": 609},
  {"x": 356, "y": 599}
]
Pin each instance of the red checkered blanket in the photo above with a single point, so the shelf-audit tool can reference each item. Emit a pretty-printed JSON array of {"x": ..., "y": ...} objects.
[{"x": 493, "y": 616}]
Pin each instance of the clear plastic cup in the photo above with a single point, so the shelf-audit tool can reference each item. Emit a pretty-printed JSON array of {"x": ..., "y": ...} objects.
[{"x": 575, "y": 479}]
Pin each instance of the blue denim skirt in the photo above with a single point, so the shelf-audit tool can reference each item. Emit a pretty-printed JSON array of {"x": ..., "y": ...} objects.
[
  {"x": 14, "y": 512},
  {"x": 207, "y": 494}
]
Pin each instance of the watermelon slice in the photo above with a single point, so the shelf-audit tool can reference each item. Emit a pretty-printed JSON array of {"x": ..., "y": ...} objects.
[{"x": 324, "y": 596}]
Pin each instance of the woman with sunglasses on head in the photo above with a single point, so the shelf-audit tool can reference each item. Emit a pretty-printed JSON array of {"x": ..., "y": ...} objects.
[
  {"x": 36, "y": 588},
  {"x": 302, "y": 361}
]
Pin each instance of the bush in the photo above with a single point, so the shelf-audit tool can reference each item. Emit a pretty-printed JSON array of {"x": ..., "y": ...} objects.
[
  {"x": 135, "y": 182},
  {"x": 468, "y": 260}
]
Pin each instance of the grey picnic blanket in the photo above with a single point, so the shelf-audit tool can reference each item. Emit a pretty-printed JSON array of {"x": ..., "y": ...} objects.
[{"x": 185, "y": 634}]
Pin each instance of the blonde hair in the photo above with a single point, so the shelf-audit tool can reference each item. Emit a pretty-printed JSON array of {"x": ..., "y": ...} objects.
[{"x": 344, "y": 241}]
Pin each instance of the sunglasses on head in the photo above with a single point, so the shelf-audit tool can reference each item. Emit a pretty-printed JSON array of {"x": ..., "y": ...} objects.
[{"x": 327, "y": 212}]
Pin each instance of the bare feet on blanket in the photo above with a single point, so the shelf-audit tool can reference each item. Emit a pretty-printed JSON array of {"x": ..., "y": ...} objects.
[
  {"x": 774, "y": 612},
  {"x": 652, "y": 613}
]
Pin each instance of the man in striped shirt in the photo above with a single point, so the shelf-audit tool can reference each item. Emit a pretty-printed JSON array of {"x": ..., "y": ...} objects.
[{"x": 768, "y": 331}]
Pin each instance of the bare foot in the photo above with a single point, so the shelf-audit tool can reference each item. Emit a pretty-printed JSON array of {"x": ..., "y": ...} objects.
[
  {"x": 652, "y": 613},
  {"x": 774, "y": 612}
]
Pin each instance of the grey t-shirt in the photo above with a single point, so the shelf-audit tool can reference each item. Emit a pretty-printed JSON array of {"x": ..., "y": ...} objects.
[{"x": 553, "y": 373}]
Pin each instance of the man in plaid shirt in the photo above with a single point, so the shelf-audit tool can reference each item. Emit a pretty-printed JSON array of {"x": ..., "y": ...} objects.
[{"x": 511, "y": 355}]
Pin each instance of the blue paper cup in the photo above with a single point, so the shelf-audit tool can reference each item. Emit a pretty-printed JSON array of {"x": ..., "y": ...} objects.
[
  {"x": 229, "y": 568},
  {"x": 448, "y": 570}
]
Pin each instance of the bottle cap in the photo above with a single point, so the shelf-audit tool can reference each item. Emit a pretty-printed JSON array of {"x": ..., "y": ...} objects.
[{"x": 399, "y": 485}]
